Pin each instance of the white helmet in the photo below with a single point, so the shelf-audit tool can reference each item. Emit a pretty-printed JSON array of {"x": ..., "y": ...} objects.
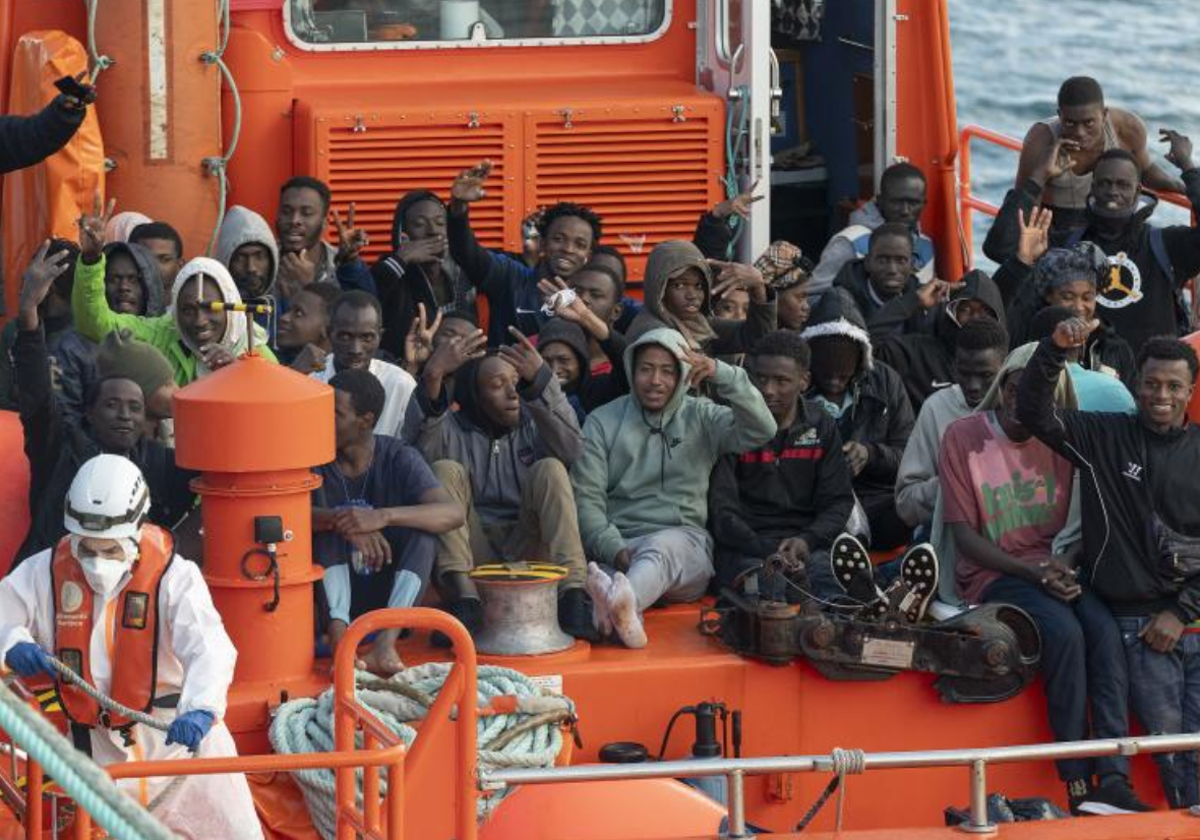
[{"x": 108, "y": 499}]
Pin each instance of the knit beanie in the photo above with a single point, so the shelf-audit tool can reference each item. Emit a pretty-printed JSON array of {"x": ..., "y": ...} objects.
[{"x": 120, "y": 354}]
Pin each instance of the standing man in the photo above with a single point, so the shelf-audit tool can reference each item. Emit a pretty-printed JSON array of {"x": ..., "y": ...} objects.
[
  {"x": 116, "y": 604},
  {"x": 1138, "y": 475}
]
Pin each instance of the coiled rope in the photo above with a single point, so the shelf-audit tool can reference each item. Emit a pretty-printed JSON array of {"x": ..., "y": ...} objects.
[
  {"x": 519, "y": 726},
  {"x": 88, "y": 785}
]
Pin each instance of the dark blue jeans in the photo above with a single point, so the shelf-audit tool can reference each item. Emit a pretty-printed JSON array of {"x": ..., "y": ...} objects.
[
  {"x": 1165, "y": 696},
  {"x": 1082, "y": 659}
]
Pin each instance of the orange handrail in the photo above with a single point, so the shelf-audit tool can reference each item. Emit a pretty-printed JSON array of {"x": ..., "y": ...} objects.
[
  {"x": 968, "y": 202},
  {"x": 456, "y": 705}
]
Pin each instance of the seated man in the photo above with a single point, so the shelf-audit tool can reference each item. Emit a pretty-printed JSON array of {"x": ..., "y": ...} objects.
[
  {"x": 166, "y": 246},
  {"x": 1058, "y": 160},
  {"x": 679, "y": 291},
  {"x": 882, "y": 277},
  {"x": 791, "y": 497},
  {"x": 113, "y": 421},
  {"x": 602, "y": 291},
  {"x": 563, "y": 346},
  {"x": 901, "y": 200},
  {"x": 641, "y": 484},
  {"x": 925, "y": 360},
  {"x": 980, "y": 350},
  {"x": 378, "y": 510},
  {"x": 246, "y": 246},
  {"x": 115, "y": 577},
  {"x": 195, "y": 338},
  {"x": 304, "y": 257},
  {"x": 866, "y": 399},
  {"x": 503, "y": 458},
  {"x": 302, "y": 339},
  {"x": 1140, "y": 472},
  {"x": 355, "y": 327},
  {"x": 419, "y": 269},
  {"x": 1007, "y": 497},
  {"x": 569, "y": 233}
]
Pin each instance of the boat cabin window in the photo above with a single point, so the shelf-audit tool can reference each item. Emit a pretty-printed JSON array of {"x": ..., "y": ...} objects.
[{"x": 447, "y": 24}]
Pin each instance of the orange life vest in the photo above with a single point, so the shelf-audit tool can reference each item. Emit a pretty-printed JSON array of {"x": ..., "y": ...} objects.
[{"x": 134, "y": 645}]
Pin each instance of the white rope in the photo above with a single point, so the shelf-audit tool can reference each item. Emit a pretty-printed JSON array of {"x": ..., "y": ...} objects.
[
  {"x": 106, "y": 702},
  {"x": 845, "y": 763},
  {"x": 531, "y": 737}
]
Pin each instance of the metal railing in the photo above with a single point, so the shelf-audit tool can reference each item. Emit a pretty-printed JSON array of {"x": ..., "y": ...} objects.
[
  {"x": 968, "y": 202},
  {"x": 381, "y": 815},
  {"x": 736, "y": 769}
]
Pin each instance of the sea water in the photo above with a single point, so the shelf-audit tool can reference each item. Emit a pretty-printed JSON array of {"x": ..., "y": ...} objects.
[{"x": 1010, "y": 57}]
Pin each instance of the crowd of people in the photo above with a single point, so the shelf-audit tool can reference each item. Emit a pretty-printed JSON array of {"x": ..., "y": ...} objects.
[{"x": 1020, "y": 437}]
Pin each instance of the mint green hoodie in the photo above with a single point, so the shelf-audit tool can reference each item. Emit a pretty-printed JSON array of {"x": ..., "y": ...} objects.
[{"x": 641, "y": 473}]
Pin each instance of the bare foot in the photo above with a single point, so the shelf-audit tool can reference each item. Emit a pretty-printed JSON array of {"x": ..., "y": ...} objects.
[
  {"x": 597, "y": 585},
  {"x": 623, "y": 605},
  {"x": 383, "y": 659}
]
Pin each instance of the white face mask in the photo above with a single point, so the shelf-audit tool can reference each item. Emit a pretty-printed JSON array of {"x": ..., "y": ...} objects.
[{"x": 105, "y": 574}]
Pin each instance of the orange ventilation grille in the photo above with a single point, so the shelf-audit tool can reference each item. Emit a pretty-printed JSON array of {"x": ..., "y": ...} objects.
[
  {"x": 375, "y": 167},
  {"x": 648, "y": 178}
]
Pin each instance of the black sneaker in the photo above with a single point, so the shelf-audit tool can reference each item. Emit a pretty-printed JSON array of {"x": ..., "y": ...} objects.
[
  {"x": 1114, "y": 796},
  {"x": 469, "y": 611},
  {"x": 919, "y": 571},
  {"x": 575, "y": 615},
  {"x": 854, "y": 573}
]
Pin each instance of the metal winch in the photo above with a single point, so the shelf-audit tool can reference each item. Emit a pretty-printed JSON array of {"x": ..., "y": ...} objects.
[{"x": 520, "y": 609}]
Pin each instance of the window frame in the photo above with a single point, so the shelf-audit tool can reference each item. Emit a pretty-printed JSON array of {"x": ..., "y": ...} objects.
[{"x": 427, "y": 46}]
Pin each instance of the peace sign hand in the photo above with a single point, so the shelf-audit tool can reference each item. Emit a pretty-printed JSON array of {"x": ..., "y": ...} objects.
[
  {"x": 739, "y": 205},
  {"x": 418, "y": 344},
  {"x": 92, "y": 227},
  {"x": 351, "y": 240},
  {"x": 703, "y": 367},
  {"x": 468, "y": 186}
]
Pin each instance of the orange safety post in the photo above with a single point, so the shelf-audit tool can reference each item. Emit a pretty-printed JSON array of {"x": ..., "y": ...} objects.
[
  {"x": 256, "y": 429},
  {"x": 45, "y": 200}
]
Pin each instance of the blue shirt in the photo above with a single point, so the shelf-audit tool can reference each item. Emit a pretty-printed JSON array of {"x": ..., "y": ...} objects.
[{"x": 1099, "y": 391}]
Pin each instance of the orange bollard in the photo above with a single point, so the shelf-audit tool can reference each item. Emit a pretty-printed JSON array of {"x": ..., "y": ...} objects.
[{"x": 255, "y": 429}]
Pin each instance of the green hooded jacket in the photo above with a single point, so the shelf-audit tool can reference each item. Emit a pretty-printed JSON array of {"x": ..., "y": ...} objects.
[{"x": 641, "y": 473}]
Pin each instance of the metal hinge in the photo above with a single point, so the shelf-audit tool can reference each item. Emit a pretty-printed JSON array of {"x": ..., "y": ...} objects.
[
  {"x": 677, "y": 114},
  {"x": 567, "y": 114},
  {"x": 359, "y": 126},
  {"x": 473, "y": 119}
]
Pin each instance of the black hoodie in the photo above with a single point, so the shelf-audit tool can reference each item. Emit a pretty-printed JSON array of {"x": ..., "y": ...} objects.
[
  {"x": 881, "y": 416},
  {"x": 925, "y": 361},
  {"x": 401, "y": 287},
  {"x": 591, "y": 390},
  {"x": 853, "y": 278}
]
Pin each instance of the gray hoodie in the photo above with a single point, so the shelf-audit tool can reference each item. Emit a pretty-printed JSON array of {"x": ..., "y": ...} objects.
[{"x": 242, "y": 226}]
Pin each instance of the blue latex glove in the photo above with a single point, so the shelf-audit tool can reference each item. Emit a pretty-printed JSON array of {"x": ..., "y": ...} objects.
[
  {"x": 29, "y": 660},
  {"x": 189, "y": 729}
]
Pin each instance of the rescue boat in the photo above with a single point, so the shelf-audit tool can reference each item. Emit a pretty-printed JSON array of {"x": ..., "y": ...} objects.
[{"x": 648, "y": 112}]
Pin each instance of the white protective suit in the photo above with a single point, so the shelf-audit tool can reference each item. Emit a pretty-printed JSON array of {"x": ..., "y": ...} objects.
[{"x": 195, "y": 660}]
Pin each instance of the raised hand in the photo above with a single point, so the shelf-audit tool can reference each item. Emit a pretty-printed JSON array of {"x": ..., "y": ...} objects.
[
  {"x": 418, "y": 343},
  {"x": 734, "y": 275},
  {"x": 703, "y": 367},
  {"x": 739, "y": 205},
  {"x": 935, "y": 291},
  {"x": 1035, "y": 234},
  {"x": 1180, "y": 149},
  {"x": 1073, "y": 333},
  {"x": 455, "y": 352},
  {"x": 296, "y": 270},
  {"x": 351, "y": 240},
  {"x": 39, "y": 276},
  {"x": 468, "y": 186},
  {"x": 522, "y": 355},
  {"x": 1059, "y": 159},
  {"x": 92, "y": 227}
]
